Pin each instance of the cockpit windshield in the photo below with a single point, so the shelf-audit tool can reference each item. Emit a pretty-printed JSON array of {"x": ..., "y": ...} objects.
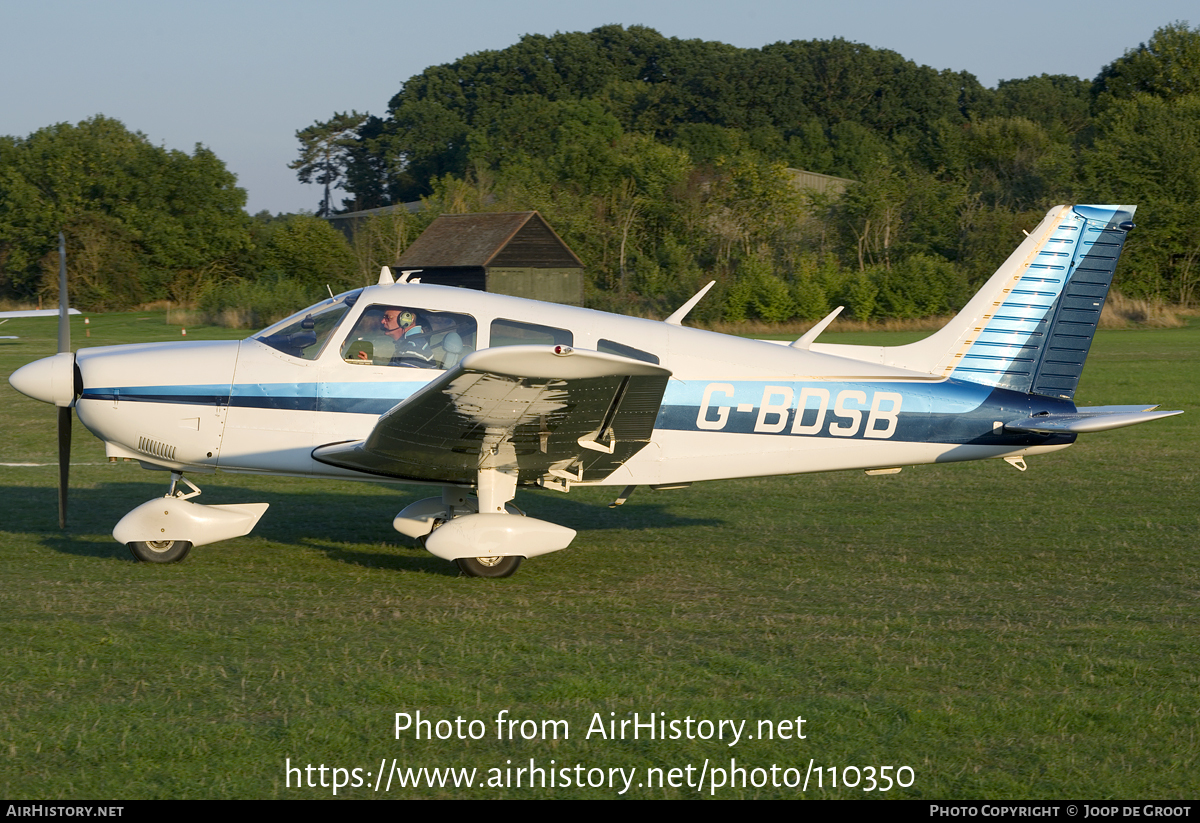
[{"x": 306, "y": 332}]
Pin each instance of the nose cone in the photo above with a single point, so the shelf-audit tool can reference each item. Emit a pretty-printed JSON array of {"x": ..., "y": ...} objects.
[{"x": 51, "y": 379}]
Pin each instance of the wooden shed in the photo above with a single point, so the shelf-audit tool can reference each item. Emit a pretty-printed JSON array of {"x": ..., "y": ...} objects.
[{"x": 514, "y": 253}]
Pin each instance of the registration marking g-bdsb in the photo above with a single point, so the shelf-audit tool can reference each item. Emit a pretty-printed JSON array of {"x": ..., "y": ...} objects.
[{"x": 812, "y": 406}]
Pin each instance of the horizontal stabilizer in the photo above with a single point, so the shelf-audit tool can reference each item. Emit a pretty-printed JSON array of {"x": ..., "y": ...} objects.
[{"x": 1089, "y": 419}]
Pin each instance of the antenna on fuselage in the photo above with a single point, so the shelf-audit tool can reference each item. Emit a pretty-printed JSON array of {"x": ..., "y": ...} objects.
[
  {"x": 676, "y": 318},
  {"x": 805, "y": 340},
  {"x": 385, "y": 277}
]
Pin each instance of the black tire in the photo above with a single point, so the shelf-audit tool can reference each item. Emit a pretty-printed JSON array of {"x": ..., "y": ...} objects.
[
  {"x": 488, "y": 566},
  {"x": 160, "y": 551}
]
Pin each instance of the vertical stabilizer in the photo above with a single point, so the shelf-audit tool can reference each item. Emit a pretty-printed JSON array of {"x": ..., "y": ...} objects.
[
  {"x": 1031, "y": 325},
  {"x": 1037, "y": 334}
]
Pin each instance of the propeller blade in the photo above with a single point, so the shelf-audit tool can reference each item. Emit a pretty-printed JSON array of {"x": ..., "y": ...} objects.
[
  {"x": 64, "y": 462},
  {"x": 64, "y": 412},
  {"x": 64, "y": 319}
]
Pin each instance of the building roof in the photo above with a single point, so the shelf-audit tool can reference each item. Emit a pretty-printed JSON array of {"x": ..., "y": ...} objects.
[
  {"x": 514, "y": 239},
  {"x": 815, "y": 181}
]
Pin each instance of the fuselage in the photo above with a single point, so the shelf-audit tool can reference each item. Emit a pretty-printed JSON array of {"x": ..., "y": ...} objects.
[{"x": 733, "y": 407}]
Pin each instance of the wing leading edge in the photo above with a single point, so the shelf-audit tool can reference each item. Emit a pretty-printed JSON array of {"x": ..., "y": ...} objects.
[{"x": 545, "y": 413}]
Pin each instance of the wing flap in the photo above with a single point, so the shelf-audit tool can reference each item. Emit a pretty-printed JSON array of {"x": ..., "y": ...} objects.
[{"x": 541, "y": 412}]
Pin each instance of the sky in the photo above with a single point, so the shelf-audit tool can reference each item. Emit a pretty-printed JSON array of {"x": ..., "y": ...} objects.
[{"x": 241, "y": 77}]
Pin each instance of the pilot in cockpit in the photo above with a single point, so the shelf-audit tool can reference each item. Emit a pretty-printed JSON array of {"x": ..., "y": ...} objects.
[{"x": 398, "y": 339}]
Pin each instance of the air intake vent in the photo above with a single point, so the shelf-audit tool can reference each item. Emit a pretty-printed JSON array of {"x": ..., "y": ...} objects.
[{"x": 155, "y": 448}]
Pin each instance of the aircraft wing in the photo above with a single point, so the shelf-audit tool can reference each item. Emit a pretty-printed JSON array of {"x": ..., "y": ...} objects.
[
  {"x": 35, "y": 313},
  {"x": 1089, "y": 419},
  {"x": 5, "y": 316},
  {"x": 548, "y": 413}
]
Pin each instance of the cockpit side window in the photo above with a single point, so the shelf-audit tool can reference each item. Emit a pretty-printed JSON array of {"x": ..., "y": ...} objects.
[
  {"x": 405, "y": 336},
  {"x": 612, "y": 347},
  {"x": 513, "y": 333},
  {"x": 306, "y": 332}
]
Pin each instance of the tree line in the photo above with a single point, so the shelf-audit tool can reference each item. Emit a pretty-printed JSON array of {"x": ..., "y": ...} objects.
[
  {"x": 144, "y": 223},
  {"x": 663, "y": 163}
]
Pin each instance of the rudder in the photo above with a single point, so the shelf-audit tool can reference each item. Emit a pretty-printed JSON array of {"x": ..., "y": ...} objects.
[{"x": 1076, "y": 314}]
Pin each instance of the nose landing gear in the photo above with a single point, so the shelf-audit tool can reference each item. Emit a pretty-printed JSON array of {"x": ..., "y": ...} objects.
[{"x": 165, "y": 529}]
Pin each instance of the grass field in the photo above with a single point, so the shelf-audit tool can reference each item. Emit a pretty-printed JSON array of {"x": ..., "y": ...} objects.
[{"x": 1001, "y": 634}]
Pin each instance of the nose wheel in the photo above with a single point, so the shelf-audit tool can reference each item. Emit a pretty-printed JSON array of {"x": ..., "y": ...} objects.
[{"x": 160, "y": 551}]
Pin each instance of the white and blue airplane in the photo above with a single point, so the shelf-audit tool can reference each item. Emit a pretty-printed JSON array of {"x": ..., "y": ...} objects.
[
  {"x": 5, "y": 316},
  {"x": 483, "y": 394}
]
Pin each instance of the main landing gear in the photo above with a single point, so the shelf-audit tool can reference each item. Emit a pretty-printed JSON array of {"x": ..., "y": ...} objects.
[
  {"x": 488, "y": 566},
  {"x": 485, "y": 536}
]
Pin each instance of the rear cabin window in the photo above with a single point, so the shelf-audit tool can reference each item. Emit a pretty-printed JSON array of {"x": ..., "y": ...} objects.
[
  {"x": 610, "y": 347},
  {"x": 512, "y": 333}
]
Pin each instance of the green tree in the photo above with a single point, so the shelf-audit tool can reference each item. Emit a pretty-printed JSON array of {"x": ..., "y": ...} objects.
[
  {"x": 160, "y": 217},
  {"x": 809, "y": 288},
  {"x": 1012, "y": 162},
  {"x": 296, "y": 259},
  {"x": 1147, "y": 152},
  {"x": 572, "y": 140},
  {"x": 922, "y": 285},
  {"x": 326, "y": 154},
  {"x": 380, "y": 239},
  {"x": 759, "y": 293},
  {"x": 751, "y": 206},
  {"x": 897, "y": 210},
  {"x": 424, "y": 139},
  {"x": 310, "y": 251},
  {"x": 1059, "y": 103},
  {"x": 662, "y": 163},
  {"x": 841, "y": 81},
  {"x": 1166, "y": 66},
  {"x": 774, "y": 100}
]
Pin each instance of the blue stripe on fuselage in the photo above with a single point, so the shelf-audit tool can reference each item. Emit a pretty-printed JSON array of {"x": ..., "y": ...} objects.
[
  {"x": 353, "y": 398},
  {"x": 948, "y": 411}
]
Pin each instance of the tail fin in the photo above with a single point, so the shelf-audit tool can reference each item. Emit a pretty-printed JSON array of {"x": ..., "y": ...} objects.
[{"x": 1031, "y": 325}]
